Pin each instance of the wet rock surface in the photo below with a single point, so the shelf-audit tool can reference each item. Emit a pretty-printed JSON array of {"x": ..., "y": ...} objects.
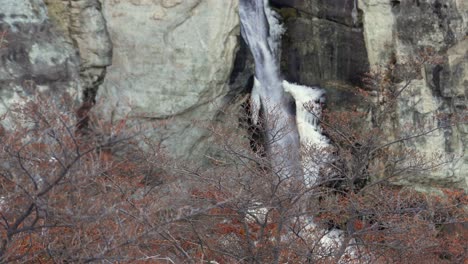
[
  {"x": 178, "y": 61},
  {"x": 324, "y": 46}
]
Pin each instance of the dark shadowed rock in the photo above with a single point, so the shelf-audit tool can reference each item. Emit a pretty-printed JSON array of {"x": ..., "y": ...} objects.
[{"x": 324, "y": 46}]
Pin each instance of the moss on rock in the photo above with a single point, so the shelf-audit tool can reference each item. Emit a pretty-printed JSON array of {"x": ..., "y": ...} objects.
[
  {"x": 58, "y": 14},
  {"x": 288, "y": 13}
]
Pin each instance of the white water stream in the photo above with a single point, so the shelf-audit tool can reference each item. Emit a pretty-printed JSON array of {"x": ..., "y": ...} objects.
[{"x": 262, "y": 32}]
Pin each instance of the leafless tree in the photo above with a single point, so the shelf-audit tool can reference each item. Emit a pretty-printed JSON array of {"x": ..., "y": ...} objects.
[{"x": 111, "y": 194}]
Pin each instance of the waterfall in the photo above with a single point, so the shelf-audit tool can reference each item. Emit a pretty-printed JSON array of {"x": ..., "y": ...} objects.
[
  {"x": 309, "y": 102},
  {"x": 354, "y": 13},
  {"x": 261, "y": 30}
]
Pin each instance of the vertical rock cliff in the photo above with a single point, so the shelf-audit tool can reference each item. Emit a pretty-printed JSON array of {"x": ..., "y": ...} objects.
[
  {"x": 179, "y": 61},
  {"x": 52, "y": 45},
  {"x": 401, "y": 29},
  {"x": 324, "y": 45},
  {"x": 82, "y": 22},
  {"x": 172, "y": 60},
  {"x": 332, "y": 43}
]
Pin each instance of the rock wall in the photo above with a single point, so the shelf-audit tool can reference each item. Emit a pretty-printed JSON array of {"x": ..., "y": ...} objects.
[
  {"x": 172, "y": 60},
  {"x": 178, "y": 60},
  {"x": 401, "y": 29},
  {"x": 331, "y": 43},
  {"x": 324, "y": 45},
  {"x": 52, "y": 45},
  {"x": 34, "y": 54},
  {"x": 83, "y": 23}
]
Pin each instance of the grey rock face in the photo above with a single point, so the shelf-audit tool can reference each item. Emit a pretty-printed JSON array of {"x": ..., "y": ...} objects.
[
  {"x": 341, "y": 12},
  {"x": 331, "y": 43},
  {"x": 172, "y": 61},
  {"x": 52, "y": 45},
  {"x": 34, "y": 54},
  {"x": 82, "y": 21},
  {"x": 442, "y": 26},
  {"x": 403, "y": 28}
]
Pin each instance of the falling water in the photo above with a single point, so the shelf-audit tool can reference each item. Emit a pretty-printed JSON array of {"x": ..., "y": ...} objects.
[
  {"x": 354, "y": 13},
  {"x": 309, "y": 102},
  {"x": 262, "y": 32}
]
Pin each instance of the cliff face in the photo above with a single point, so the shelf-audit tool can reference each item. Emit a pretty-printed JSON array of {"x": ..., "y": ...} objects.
[
  {"x": 34, "y": 54},
  {"x": 83, "y": 24},
  {"x": 55, "y": 46},
  {"x": 442, "y": 26},
  {"x": 324, "y": 45},
  {"x": 172, "y": 60},
  {"x": 178, "y": 60},
  {"x": 331, "y": 43}
]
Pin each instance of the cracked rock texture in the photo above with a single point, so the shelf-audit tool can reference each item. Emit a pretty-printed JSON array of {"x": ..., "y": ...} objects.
[
  {"x": 82, "y": 22},
  {"x": 331, "y": 43},
  {"x": 52, "y": 45},
  {"x": 324, "y": 45},
  {"x": 442, "y": 26},
  {"x": 34, "y": 54},
  {"x": 172, "y": 60}
]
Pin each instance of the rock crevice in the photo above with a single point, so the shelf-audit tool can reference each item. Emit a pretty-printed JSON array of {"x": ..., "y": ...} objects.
[
  {"x": 319, "y": 50},
  {"x": 84, "y": 25}
]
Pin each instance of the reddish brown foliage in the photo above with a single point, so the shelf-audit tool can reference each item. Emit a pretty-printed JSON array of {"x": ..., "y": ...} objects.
[{"x": 111, "y": 195}]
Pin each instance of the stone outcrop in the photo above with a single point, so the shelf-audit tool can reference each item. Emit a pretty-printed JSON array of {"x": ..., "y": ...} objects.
[
  {"x": 34, "y": 55},
  {"x": 82, "y": 22},
  {"x": 178, "y": 60},
  {"x": 324, "y": 45},
  {"x": 331, "y": 43},
  {"x": 402, "y": 29},
  {"x": 172, "y": 61},
  {"x": 55, "y": 46}
]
